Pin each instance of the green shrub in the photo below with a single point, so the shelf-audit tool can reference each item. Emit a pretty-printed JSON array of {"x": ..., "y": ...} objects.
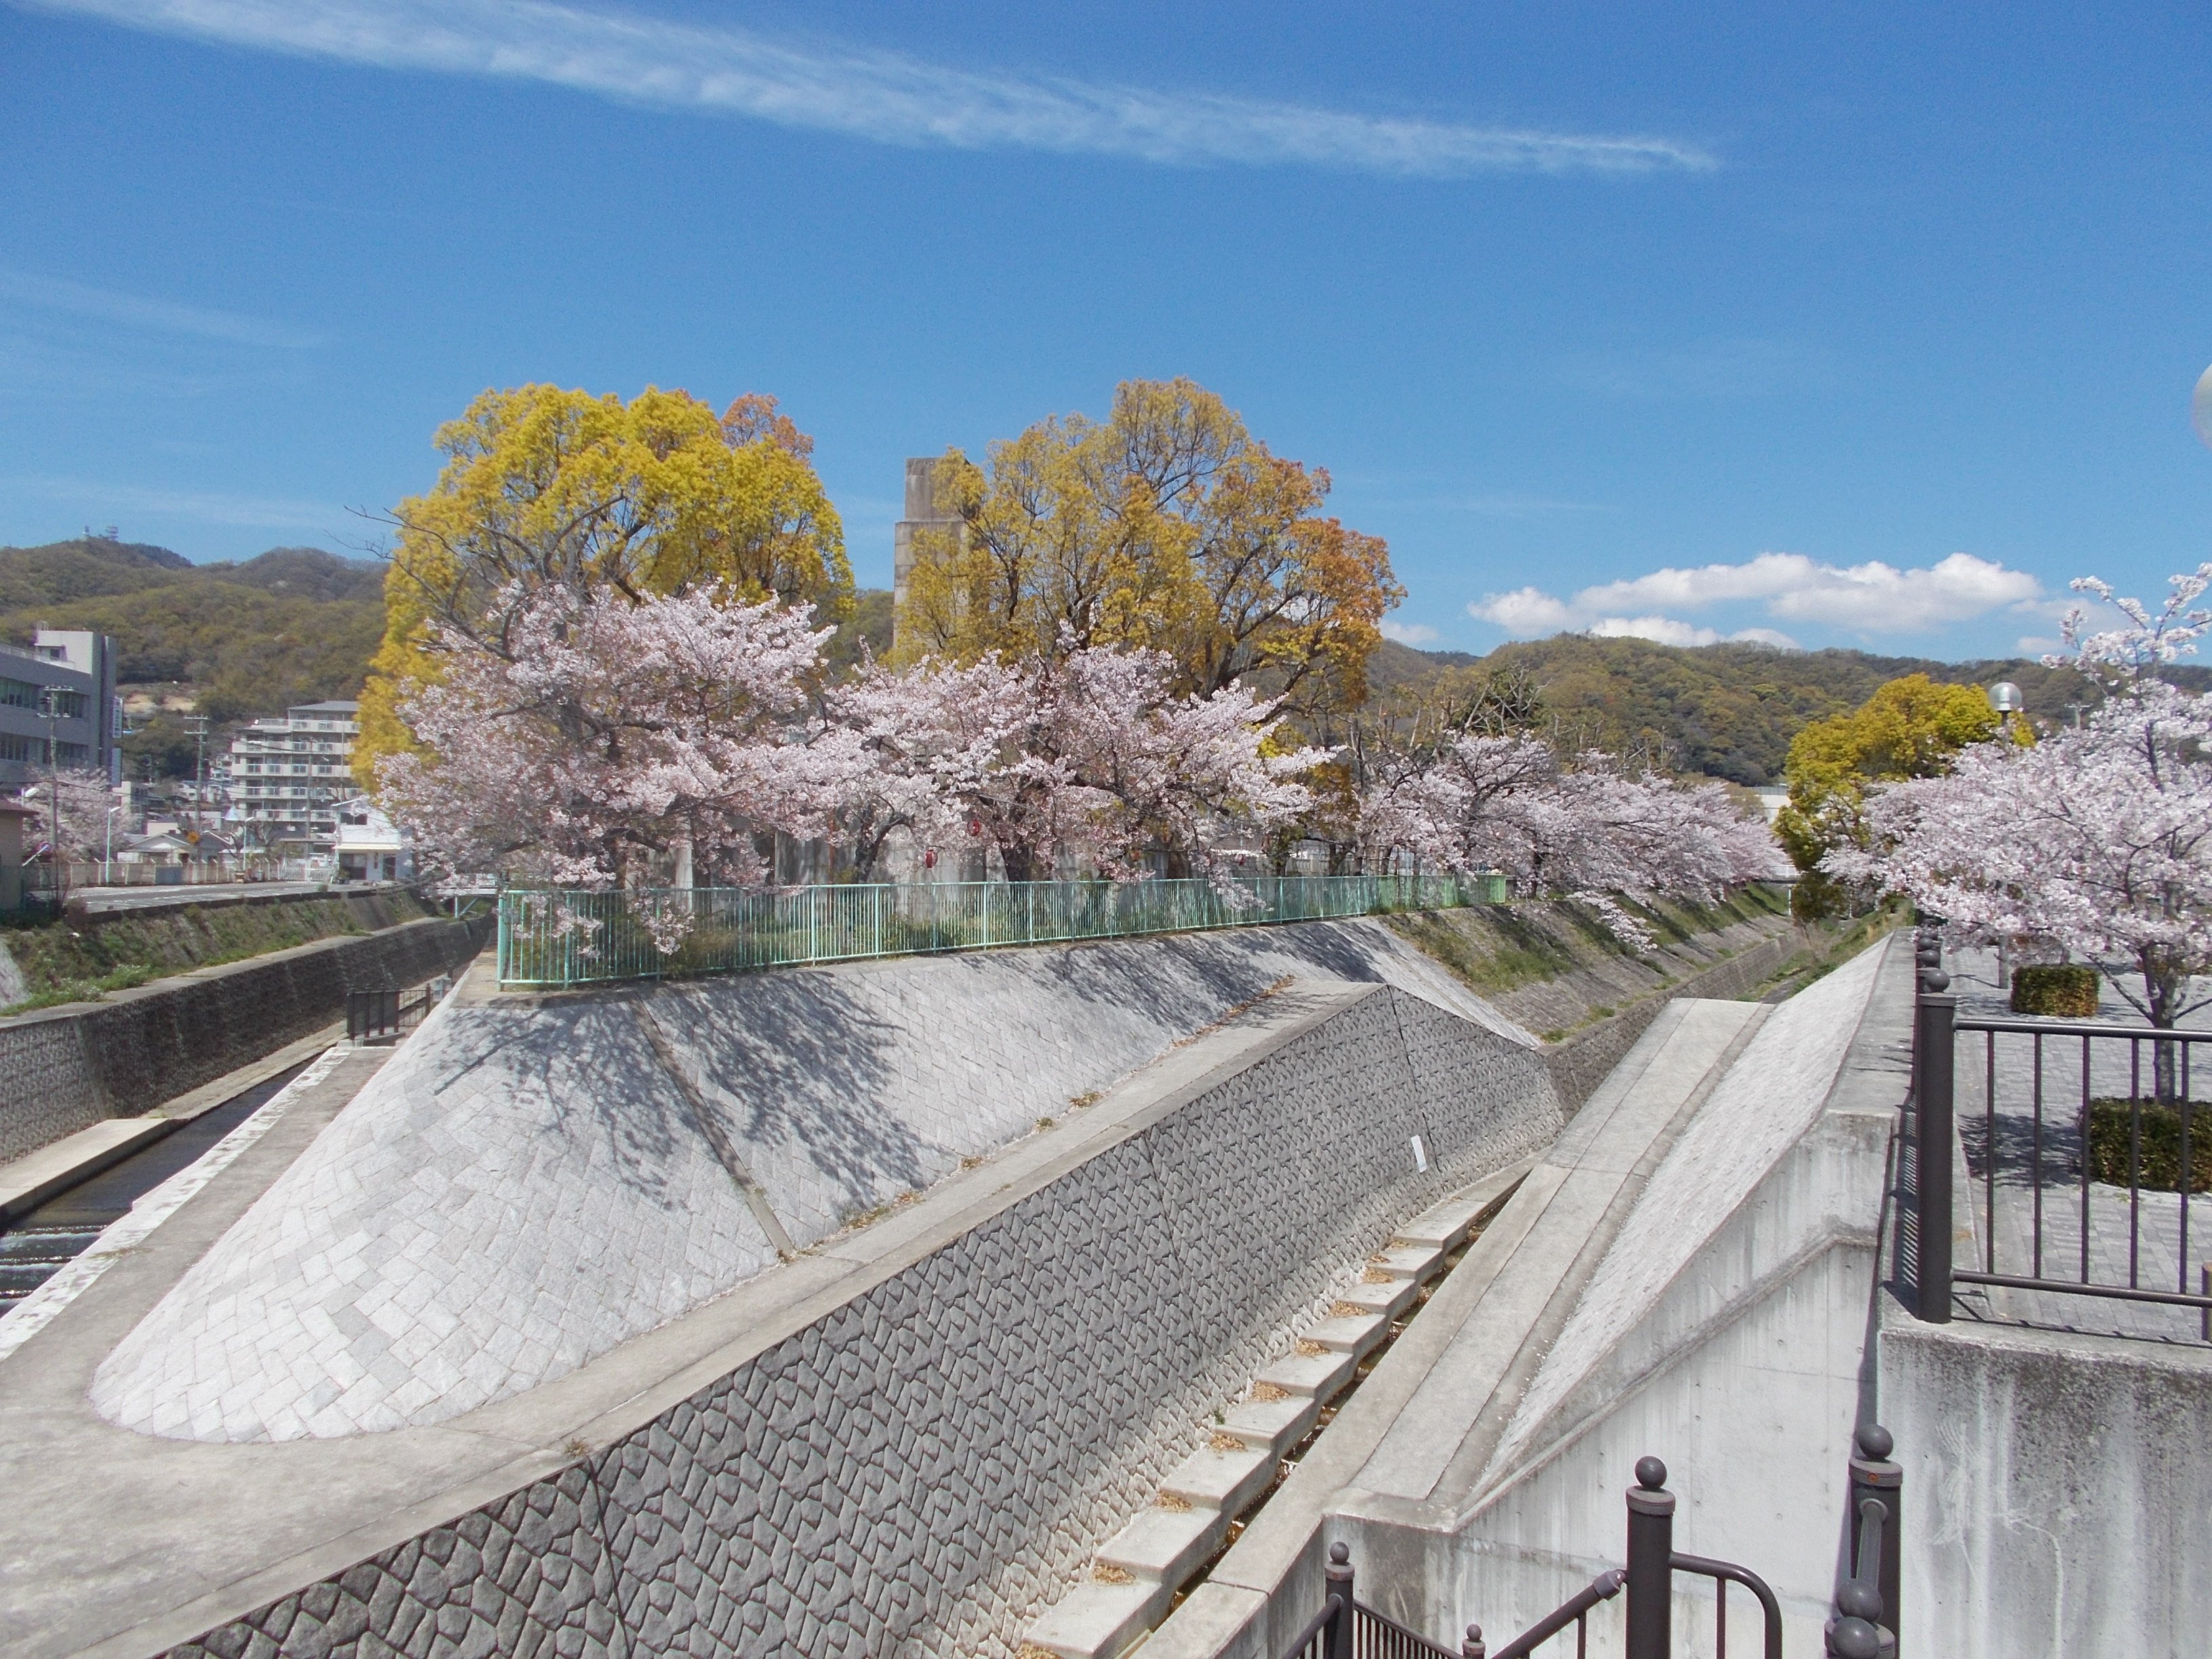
[
  {"x": 2064, "y": 990},
  {"x": 2159, "y": 1170}
]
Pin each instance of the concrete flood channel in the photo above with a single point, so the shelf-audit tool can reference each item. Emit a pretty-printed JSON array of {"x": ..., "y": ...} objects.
[
  {"x": 47, "y": 1238},
  {"x": 1146, "y": 1570}
]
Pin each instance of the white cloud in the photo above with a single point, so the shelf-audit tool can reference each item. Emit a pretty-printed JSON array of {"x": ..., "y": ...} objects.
[
  {"x": 1410, "y": 633},
  {"x": 107, "y": 306},
  {"x": 1525, "y": 612},
  {"x": 1667, "y": 631},
  {"x": 1860, "y": 598},
  {"x": 887, "y": 97},
  {"x": 1664, "y": 629},
  {"x": 1873, "y": 597},
  {"x": 98, "y": 501}
]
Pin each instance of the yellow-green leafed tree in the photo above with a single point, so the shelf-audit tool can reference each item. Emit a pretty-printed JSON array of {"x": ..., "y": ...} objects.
[
  {"x": 545, "y": 487},
  {"x": 1167, "y": 525},
  {"x": 1912, "y": 727}
]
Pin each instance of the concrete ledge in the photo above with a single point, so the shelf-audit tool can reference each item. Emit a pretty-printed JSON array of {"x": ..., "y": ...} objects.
[{"x": 30, "y": 1181}]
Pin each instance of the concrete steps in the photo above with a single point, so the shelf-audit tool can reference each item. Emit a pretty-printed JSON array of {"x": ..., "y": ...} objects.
[{"x": 1136, "y": 1573}]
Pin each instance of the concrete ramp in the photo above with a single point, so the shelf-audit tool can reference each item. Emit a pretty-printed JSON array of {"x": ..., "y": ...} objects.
[
  {"x": 1538, "y": 1258},
  {"x": 1713, "y": 1313},
  {"x": 1688, "y": 1273}
]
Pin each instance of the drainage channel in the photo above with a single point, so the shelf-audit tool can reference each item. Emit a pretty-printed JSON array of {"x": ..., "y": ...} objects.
[
  {"x": 47, "y": 1239},
  {"x": 1328, "y": 1414}
]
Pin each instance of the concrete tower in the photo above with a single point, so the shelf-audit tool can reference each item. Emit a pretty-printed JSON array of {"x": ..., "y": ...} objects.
[{"x": 923, "y": 511}]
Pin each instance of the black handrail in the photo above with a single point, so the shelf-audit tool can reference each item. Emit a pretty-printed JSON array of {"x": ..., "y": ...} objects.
[
  {"x": 1729, "y": 1572},
  {"x": 1346, "y": 1626},
  {"x": 1381, "y": 1637},
  {"x": 1603, "y": 1587},
  {"x": 1302, "y": 1646}
]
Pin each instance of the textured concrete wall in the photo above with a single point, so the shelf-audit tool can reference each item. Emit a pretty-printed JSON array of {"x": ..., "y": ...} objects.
[
  {"x": 2055, "y": 1490},
  {"x": 544, "y": 1178},
  {"x": 916, "y": 1470},
  {"x": 64, "y": 1069}
]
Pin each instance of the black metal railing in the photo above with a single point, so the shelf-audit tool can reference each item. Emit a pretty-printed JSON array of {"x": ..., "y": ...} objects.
[
  {"x": 371, "y": 1015},
  {"x": 2081, "y": 1133},
  {"x": 1865, "y": 1619},
  {"x": 1348, "y": 1628}
]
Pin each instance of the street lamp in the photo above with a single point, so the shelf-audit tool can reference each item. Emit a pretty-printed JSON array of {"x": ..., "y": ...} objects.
[
  {"x": 2005, "y": 698},
  {"x": 50, "y": 698}
]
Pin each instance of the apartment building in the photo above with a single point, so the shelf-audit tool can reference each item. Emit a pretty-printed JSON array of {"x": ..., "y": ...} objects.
[
  {"x": 286, "y": 776},
  {"x": 60, "y": 688}
]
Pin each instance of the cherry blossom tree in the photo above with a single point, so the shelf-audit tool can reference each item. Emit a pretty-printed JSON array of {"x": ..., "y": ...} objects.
[
  {"x": 1090, "y": 754},
  {"x": 84, "y": 800},
  {"x": 1510, "y": 803},
  {"x": 614, "y": 737},
  {"x": 2097, "y": 839}
]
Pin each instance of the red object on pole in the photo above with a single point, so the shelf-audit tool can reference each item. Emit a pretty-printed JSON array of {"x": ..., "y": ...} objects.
[{"x": 929, "y": 858}]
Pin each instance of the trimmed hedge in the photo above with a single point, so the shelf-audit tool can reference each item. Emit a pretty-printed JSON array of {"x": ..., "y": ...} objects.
[
  {"x": 2159, "y": 1170},
  {"x": 2066, "y": 990}
]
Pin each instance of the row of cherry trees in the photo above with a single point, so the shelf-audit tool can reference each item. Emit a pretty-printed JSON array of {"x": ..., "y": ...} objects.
[
  {"x": 619, "y": 741},
  {"x": 2094, "y": 839},
  {"x": 613, "y": 741}
]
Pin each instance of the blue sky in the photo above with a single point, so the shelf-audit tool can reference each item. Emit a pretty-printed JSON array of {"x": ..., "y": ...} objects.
[{"x": 1861, "y": 327}]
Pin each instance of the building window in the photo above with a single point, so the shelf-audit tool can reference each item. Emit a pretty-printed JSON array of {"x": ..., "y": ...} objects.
[{"x": 21, "y": 693}]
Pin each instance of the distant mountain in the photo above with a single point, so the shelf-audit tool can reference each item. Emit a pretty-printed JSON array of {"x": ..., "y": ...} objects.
[
  {"x": 62, "y": 571},
  {"x": 1727, "y": 711},
  {"x": 308, "y": 572},
  {"x": 295, "y": 624}
]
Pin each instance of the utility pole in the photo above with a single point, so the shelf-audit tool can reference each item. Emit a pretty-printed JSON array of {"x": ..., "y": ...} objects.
[{"x": 199, "y": 725}]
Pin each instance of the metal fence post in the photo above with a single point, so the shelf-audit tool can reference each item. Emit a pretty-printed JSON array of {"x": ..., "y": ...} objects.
[
  {"x": 1931, "y": 1108},
  {"x": 1874, "y": 1475},
  {"x": 1651, "y": 1562},
  {"x": 1337, "y": 1644}
]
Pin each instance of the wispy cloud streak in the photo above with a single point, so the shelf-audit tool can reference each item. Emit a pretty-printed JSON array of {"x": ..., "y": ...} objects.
[
  {"x": 886, "y": 97},
  {"x": 97, "y": 500},
  {"x": 107, "y": 306}
]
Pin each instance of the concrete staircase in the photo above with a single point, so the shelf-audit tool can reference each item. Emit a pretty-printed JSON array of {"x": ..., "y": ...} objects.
[{"x": 1136, "y": 1574}]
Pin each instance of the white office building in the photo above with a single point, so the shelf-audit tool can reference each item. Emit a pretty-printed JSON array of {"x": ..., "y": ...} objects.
[{"x": 287, "y": 776}]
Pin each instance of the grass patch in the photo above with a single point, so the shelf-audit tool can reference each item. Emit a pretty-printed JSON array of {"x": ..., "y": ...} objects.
[
  {"x": 1493, "y": 951},
  {"x": 79, "y": 958}
]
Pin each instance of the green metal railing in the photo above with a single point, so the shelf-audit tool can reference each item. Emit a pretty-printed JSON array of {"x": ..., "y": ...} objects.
[{"x": 563, "y": 938}]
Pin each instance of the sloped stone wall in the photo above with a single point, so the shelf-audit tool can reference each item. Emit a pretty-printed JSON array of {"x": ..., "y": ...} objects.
[
  {"x": 920, "y": 1467},
  {"x": 64, "y": 1069}
]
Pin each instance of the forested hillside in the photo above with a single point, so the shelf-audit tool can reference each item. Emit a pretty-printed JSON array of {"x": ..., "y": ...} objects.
[
  {"x": 294, "y": 625},
  {"x": 1727, "y": 711}
]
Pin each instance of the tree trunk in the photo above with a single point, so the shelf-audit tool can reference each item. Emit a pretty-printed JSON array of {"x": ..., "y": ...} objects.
[{"x": 2166, "y": 990}]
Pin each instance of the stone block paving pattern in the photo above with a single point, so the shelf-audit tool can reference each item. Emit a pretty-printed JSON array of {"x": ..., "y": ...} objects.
[
  {"x": 2140, "y": 1235},
  {"x": 923, "y": 1467},
  {"x": 525, "y": 1186}
]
